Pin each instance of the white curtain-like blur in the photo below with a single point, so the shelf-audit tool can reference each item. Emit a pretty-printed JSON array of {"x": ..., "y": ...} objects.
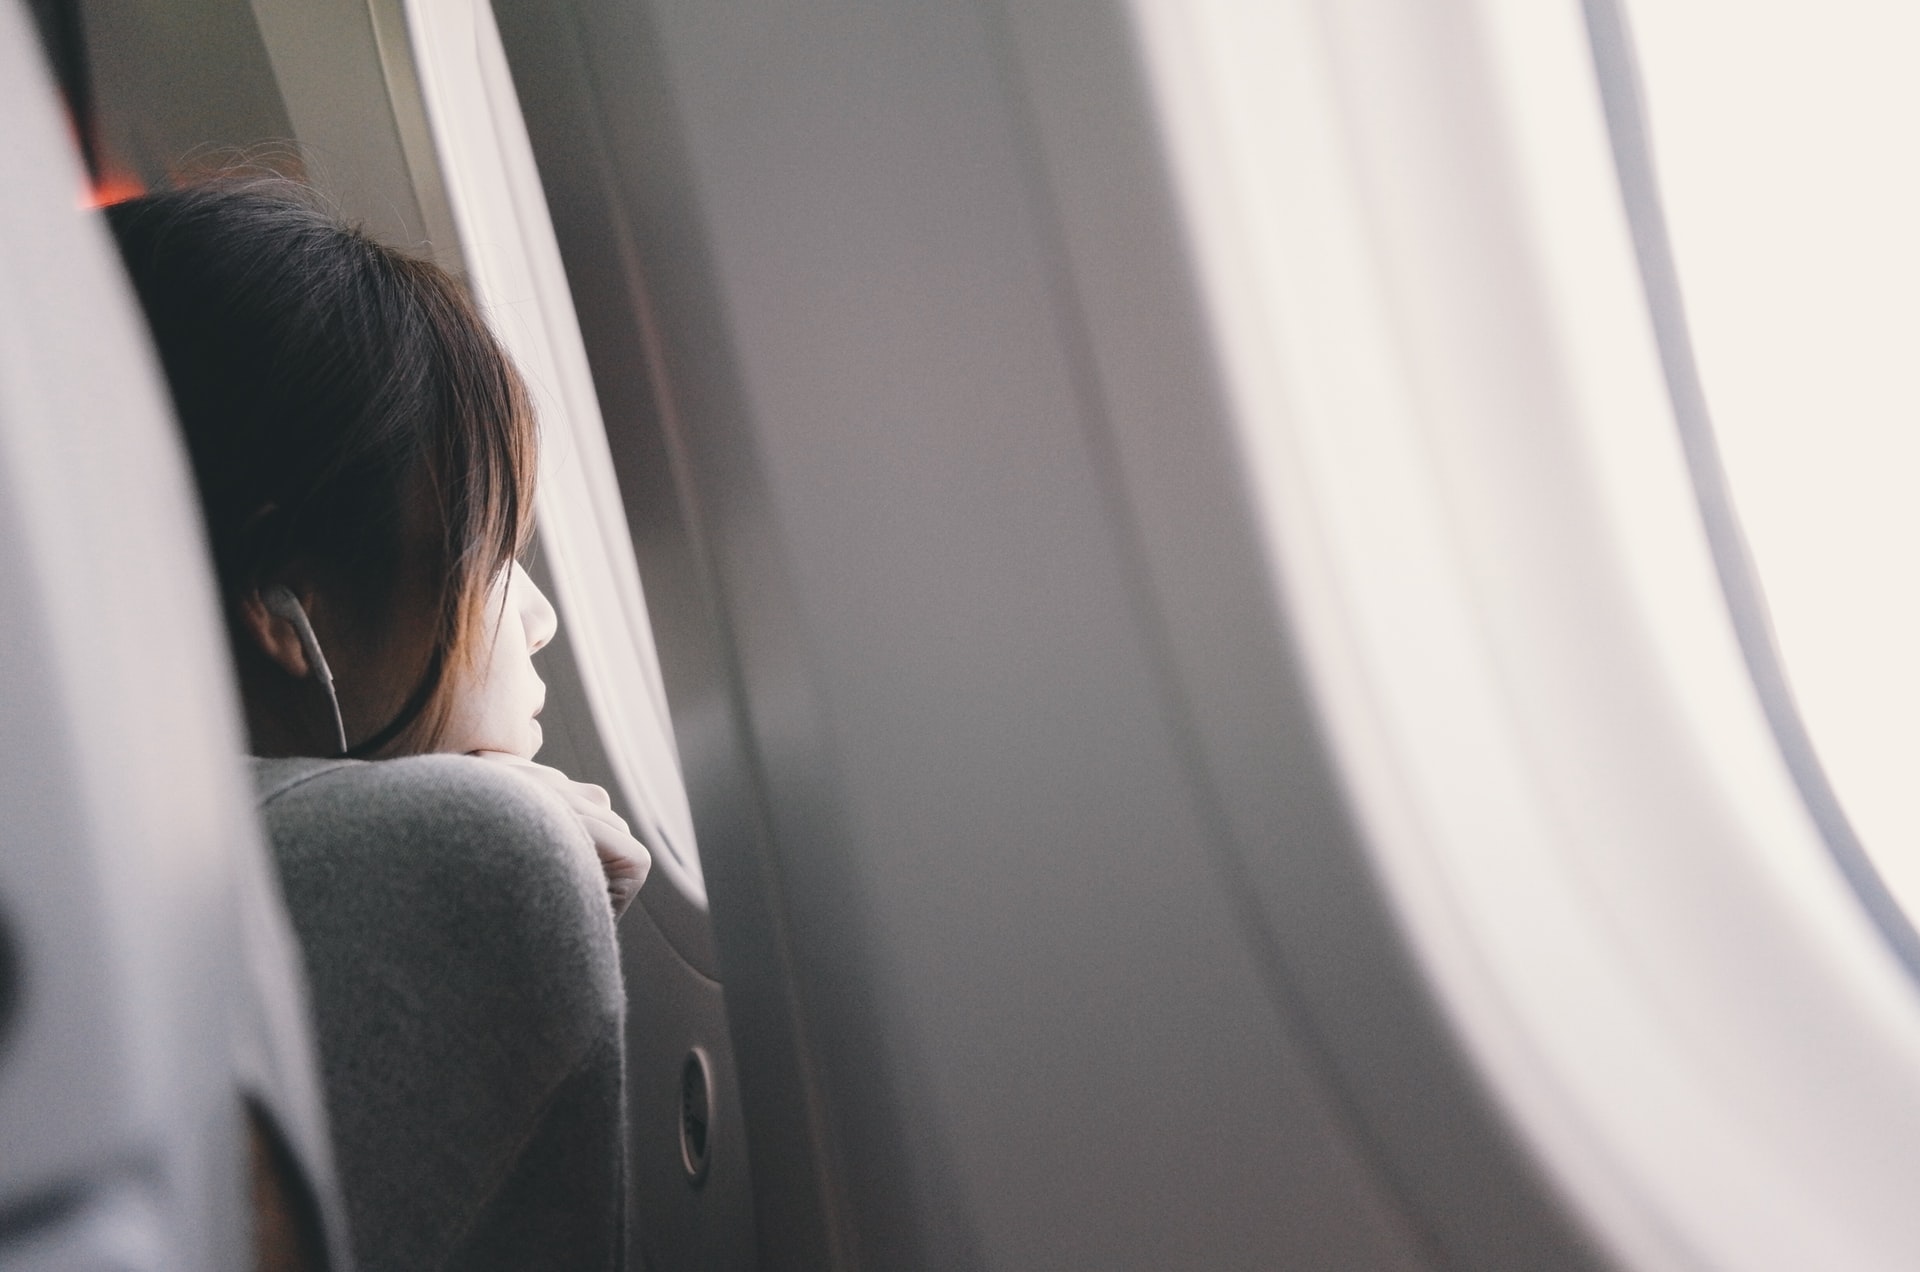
[{"x": 1786, "y": 134}]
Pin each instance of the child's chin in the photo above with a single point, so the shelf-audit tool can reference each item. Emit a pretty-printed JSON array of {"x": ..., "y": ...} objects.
[{"x": 522, "y": 744}]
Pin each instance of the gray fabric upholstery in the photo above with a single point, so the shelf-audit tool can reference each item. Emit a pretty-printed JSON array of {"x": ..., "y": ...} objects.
[
  {"x": 274, "y": 1054},
  {"x": 467, "y": 997}
]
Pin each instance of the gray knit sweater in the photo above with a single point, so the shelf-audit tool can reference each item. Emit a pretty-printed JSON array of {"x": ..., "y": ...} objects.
[{"x": 467, "y": 1000}]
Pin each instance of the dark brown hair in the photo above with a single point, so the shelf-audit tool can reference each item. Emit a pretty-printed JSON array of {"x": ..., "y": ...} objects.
[{"x": 336, "y": 396}]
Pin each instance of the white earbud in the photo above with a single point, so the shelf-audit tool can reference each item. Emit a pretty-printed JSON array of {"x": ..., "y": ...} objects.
[{"x": 282, "y": 603}]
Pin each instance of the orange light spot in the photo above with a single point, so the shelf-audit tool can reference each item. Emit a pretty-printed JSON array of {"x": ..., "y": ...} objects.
[{"x": 110, "y": 188}]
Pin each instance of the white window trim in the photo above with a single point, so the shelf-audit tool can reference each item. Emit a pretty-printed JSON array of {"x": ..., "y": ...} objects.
[
  {"x": 1480, "y": 521},
  {"x": 512, "y": 259}
]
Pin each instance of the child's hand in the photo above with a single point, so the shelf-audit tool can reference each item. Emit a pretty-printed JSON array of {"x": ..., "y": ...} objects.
[{"x": 623, "y": 859}]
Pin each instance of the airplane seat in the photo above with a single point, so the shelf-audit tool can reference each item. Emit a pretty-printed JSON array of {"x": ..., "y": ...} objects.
[
  {"x": 467, "y": 992},
  {"x": 150, "y": 992}
]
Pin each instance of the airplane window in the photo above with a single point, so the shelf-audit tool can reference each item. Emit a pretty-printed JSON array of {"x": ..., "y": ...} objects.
[
  {"x": 1783, "y": 137},
  {"x": 507, "y": 244}
]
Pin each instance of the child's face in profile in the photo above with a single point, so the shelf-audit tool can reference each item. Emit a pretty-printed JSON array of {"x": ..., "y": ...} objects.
[{"x": 494, "y": 706}]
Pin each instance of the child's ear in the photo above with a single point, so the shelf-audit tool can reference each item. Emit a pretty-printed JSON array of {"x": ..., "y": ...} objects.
[{"x": 274, "y": 636}]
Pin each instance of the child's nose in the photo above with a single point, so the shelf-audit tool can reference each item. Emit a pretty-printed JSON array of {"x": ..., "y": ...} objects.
[{"x": 536, "y": 611}]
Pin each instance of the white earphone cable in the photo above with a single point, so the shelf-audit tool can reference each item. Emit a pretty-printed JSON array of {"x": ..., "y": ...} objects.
[{"x": 282, "y": 603}]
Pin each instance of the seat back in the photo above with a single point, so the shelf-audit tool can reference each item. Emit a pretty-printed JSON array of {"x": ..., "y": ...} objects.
[{"x": 122, "y": 809}]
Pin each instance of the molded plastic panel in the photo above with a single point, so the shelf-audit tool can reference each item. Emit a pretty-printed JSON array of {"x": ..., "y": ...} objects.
[{"x": 951, "y": 690}]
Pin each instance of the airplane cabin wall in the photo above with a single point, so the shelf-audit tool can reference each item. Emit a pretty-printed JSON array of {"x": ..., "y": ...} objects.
[{"x": 971, "y": 628}]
